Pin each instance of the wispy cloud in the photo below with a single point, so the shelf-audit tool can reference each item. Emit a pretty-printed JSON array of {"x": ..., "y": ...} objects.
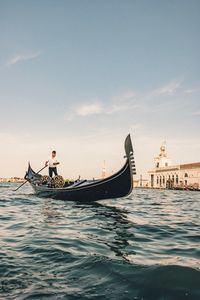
[
  {"x": 126, "y": 96},
  {"x": 114, "y": 105},
  {"x": 89, "y": 109},
  {"x": 116, "y": 108},
  {"x": 23, "y": 57},
  {"x": 85, "y": 110},
  {"x": 159, "y": 99},
  {"x": 192, "y": 91},
  {"x": 169, "y": 89}
]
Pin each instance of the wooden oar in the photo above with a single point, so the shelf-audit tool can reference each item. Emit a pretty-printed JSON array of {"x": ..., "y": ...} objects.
[{"x": 27, "y": 180}]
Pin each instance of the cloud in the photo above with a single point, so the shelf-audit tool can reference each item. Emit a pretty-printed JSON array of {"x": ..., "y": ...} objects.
[
  {"x": 22, "y": 57},
  {"x": 85, "y": 110},
  {"x": 114, "y": 105},
  {"x": 126, "y": 96},
  {"x": 189, "y": 91},
  {"x": 160, "y": 99},
  {"x": 169, "y": 89},
  {"x": 122, "y": 102},
  {"x": 117, "y": 107},
  {"x": 89, "y": 109}
]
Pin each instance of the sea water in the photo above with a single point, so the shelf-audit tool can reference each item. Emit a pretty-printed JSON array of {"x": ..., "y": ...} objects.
[{"x": 144, "y": 246}]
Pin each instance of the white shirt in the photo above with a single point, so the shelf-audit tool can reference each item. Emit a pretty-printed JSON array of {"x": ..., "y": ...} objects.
[{"x": 51, "y": 161}]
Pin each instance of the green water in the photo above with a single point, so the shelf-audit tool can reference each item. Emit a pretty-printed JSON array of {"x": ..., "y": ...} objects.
[{"x": 145, "y": 246}]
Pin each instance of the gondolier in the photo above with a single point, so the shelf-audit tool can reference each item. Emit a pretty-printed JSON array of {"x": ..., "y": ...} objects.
[{"x": 52, "y": 163}]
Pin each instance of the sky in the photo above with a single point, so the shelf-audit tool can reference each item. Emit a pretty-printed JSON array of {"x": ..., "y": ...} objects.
[{"x": 78, "y": 75}]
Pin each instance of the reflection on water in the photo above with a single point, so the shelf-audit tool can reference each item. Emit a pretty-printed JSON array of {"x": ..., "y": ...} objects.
[{"x": 145, "y": 246}]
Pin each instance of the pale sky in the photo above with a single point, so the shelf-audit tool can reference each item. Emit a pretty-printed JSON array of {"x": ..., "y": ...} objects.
[{"x": 78, "y": 76}]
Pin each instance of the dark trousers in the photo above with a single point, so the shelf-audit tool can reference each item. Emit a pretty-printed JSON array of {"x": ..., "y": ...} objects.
[{"x": 53, "y": 170}]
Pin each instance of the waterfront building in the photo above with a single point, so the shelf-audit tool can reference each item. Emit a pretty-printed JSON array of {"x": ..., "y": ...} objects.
[
  {"x": 166, "y": 175},
  {"x": 141, "y": 183},
  {"x": 11, "y": 179}
]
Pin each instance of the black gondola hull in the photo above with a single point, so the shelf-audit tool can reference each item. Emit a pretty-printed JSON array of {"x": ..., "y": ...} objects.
[{"x": 115, "y": 186}]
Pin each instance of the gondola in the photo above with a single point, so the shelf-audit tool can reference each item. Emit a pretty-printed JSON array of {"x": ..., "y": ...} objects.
[{"x": 117, "y": 185}]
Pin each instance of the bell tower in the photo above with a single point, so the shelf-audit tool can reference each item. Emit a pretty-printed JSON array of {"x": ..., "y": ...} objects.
[
  {"x": 162, "y": 160},
  {"x": 103, "y": 173}
]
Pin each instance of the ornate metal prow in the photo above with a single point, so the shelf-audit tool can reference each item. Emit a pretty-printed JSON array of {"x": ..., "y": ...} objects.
[{"x": 130, "y": 153}]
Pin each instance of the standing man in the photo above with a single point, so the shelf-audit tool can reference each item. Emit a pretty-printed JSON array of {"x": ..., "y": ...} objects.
[{"x": 52, "y": 163}]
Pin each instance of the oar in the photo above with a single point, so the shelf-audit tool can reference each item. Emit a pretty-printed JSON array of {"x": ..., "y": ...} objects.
[{"x": 27, "y": 180}]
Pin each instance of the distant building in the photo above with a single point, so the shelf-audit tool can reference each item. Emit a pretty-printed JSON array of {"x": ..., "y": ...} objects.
[
  {"x": 141, "y": 183},
  {"x": 11, "y": 179},
  {"x": 166, "y": 175},
  {"x": 103, "y": 173}
]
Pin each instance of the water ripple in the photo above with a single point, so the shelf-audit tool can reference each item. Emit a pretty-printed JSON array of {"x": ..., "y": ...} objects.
[{"x": 145, "y": 246}]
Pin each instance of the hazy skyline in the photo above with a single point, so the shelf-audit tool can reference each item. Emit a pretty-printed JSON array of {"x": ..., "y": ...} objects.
[{"x": 77, "y": 76}]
